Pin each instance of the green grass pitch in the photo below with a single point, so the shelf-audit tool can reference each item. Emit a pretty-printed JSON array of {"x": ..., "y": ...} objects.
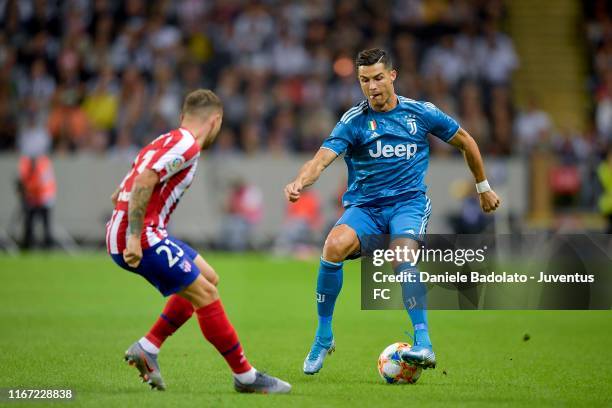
[{"x": 66, "y": 322}]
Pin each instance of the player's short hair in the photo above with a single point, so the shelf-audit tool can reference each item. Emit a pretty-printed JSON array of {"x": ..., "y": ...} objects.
[
  {"x": 373, "y": 56},
  {"x": 201, "y": 101}
]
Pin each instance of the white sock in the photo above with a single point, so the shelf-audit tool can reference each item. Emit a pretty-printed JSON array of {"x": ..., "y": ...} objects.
[
  {"x": 247, "y": 377},
  {"x": 148, "y": 346}
]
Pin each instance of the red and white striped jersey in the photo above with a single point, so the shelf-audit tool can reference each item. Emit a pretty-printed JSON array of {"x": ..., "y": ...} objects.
[{"x": 174, "y": 157}]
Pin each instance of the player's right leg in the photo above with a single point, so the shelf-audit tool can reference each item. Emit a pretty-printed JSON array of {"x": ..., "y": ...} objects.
[
  {"x": 218, "y": 330},
  {"x": 206, "y": 270},
  {"x": 341, "y": 243},
  {"x": 173, "y": 268}
]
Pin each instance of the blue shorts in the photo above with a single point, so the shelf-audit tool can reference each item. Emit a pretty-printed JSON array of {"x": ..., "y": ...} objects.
[
  {"x": 168, "y": 265},
  {"x": 407, "y": 218}
]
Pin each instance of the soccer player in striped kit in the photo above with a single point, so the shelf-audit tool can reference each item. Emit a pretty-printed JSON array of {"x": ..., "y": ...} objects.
[
  {"x": 137, "y": 241},
  {"x": 385, "y": 146}
]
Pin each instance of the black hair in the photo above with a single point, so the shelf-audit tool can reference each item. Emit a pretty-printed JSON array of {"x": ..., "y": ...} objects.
[{"x": 373, "y": 56}]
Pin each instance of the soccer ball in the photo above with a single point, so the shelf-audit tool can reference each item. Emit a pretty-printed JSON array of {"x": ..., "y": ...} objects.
[{"x": 395, "y": 371}]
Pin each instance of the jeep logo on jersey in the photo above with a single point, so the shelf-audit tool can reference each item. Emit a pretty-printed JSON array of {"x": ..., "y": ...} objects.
[{"x": 408, "y": 150}]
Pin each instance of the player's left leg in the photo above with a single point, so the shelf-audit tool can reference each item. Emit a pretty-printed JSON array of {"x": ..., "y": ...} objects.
[
  {"x": 171, "y": 269},
  {"x": 177, "y": 310},
  {"x": 408, "y": 226}
]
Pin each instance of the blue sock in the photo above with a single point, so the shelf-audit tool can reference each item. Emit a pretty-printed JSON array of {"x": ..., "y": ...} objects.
[
  {"x": 329, "y": 283},
  {"x": 415, "y": 302}
]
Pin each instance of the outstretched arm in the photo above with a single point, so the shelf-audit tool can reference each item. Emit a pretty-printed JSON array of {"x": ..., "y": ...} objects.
[
  {"x": 140, "y": 195},
  {"x": 309, "y": 173},
  {"x": 489, "y": 201}
]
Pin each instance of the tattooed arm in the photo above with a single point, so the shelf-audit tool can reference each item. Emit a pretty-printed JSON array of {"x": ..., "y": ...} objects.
[
  {"x": 115, "y": 196},
  {"x": 140, "y": 195}
]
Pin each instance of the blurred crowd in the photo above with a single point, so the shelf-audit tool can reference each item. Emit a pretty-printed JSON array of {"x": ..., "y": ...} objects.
[
  {"x": 107, "y": 76},
  {"x": 599, "y": 33}
]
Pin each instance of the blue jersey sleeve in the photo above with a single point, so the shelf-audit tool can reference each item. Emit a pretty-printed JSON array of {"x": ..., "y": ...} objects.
[
  {"x": 440, "y": 124},
  {"x": 339, "y": 140}
]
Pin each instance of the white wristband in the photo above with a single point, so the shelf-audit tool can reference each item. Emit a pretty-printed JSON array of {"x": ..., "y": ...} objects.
[{"x": 483, "y": 187}]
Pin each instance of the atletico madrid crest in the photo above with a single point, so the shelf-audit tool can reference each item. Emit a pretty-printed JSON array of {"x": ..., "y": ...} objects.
[{"x": 185, "y": 266}]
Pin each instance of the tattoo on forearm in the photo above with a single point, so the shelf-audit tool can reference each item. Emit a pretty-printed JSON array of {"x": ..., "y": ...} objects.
[
  {"x": 139, "y": 199},
  {"x": 115, "y": 195}
]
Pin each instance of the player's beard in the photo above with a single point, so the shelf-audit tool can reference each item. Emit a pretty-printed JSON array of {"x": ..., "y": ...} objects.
[{"x": 210, "y": 139}]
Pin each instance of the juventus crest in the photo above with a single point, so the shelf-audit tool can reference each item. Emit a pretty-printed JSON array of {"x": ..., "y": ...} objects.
[{"x": 412, "y": 126}]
